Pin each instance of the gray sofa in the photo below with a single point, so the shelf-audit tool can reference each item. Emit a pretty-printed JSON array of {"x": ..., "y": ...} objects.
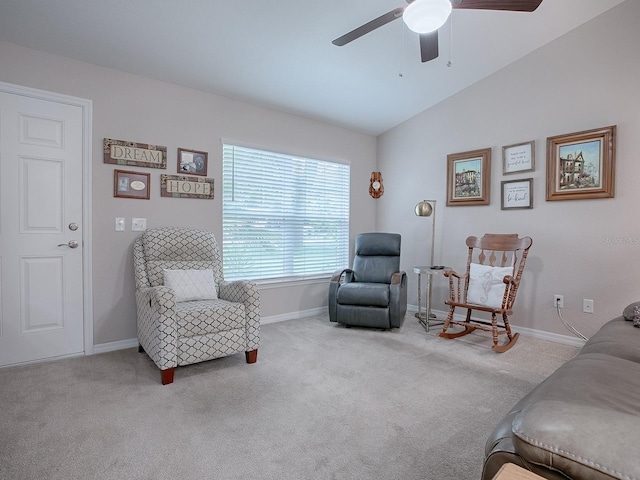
[{"x": 583, "y": 421}]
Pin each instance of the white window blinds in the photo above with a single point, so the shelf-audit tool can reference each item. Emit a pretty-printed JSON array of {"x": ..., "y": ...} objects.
[{"x": 283, "y": 216}]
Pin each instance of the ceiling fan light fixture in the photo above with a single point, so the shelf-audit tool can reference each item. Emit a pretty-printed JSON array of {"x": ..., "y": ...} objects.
[{"x": 426, "y": 16}]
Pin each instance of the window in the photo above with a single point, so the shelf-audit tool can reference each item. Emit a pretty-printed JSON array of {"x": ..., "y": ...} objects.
[{"x": 284, "y": 217}]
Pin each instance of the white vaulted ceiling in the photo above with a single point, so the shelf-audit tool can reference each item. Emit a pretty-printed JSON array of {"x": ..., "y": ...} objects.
[{"x": 278, "y": 53}]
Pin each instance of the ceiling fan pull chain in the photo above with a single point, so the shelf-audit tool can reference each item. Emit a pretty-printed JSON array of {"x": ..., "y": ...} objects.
[
  {"x": 402, "y": 60},
  {"x": 450, "y": 63}
]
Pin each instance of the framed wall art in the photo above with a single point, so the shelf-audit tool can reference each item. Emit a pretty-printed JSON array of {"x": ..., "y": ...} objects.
[
  {"x": 121, "y": 152},
  {"x": 516, "y": 194},
  {"x": 581, "y": 165},
  {"x": 127, "y": 184},
  {"x": 192, "y": 162},
  {"x": 184, "y": 186},
  {"x": 469, "y": 178},
  {"x": 519, "y": 157}
]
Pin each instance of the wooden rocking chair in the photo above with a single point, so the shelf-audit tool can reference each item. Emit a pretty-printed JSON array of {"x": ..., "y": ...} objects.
[{"x": 490, "y": 283}]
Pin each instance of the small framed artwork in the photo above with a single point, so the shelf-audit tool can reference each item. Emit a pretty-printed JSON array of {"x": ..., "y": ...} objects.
[
  {"x": 192, "y": 162},
  {"x": 127, "y": 184},
  {"x": 469, "y": 178},
  {"x": 519, "y": 157},
  {"x": 517, "y": 194},
  {"x": 581, "y": 165}
]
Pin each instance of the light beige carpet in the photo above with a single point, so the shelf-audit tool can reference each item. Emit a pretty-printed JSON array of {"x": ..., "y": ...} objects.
[{"x": 322, "y": 402}]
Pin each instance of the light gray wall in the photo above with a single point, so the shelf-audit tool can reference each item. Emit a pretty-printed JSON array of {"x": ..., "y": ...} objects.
[
  {"x": 129, "y": 107},
  {"x": 581, "y": 249}
]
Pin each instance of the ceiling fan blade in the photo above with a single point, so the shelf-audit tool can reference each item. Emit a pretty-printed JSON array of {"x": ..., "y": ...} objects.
[
  {"x": 512, "y": 5},
  {"x": 429, "y": 46},
  {"x": 368, "y": 27}
]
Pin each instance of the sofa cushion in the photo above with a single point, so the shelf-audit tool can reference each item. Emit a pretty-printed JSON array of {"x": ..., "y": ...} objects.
[
  {"x": 582, "y": 441},
  {"x": 208, "y": 316},
  {"x": 365, "y": 294},
  {"x": 617, "y": 338}
]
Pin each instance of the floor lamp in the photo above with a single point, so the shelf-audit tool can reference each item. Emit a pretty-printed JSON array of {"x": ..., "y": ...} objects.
[{"x": 427, "y": 208}]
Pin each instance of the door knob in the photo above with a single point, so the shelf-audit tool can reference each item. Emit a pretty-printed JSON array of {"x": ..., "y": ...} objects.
[{"x": 71, "y": 244}]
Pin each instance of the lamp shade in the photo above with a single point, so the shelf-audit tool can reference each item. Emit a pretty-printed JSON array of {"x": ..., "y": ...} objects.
[
  {"x": 423, "y": 209},
  {"x": 425, "y": 16}
]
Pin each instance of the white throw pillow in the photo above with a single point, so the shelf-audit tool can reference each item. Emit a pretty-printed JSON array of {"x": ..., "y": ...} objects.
[
  {"x": 191, "y": 284},
  {"x": 486, "y": 287}
]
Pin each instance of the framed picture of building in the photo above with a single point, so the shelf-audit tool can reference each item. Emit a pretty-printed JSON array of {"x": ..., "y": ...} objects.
[
  {"x": 581, "y": 165},
  {"x": 469, "y": 178}
]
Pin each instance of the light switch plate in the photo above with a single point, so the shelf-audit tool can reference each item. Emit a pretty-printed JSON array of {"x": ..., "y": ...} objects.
[
  {"x": 120, "y": 225},
  {"x": 138, "y": 224}
]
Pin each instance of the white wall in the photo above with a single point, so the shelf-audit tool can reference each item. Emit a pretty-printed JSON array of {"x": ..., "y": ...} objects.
[
  {"x": 129, "y": 107},
  {"x": 586, "y": 79}
]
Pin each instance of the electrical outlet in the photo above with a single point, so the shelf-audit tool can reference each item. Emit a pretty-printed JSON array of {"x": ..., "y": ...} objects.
[
  {"x": 120, "y": 225},
  {"x": 587, "y": 305},
  {"x": 138, "y": 224},
  {"x": 558, "y": 301}
]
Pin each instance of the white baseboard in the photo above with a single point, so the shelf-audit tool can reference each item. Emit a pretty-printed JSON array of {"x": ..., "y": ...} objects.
[
  {"x": 531, "y": 332},
  {"x": 292, "y": 316},
  {"x": 112, "y": 346}
]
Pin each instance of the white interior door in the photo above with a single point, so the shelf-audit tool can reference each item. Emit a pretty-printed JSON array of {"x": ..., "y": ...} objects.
[{"x": 41, "y": 231}]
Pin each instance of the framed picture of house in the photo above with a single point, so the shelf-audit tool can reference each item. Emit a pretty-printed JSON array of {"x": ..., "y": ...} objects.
[
  {"x": 518, "y": 158},
  {"x": 192, "y": 162},
  {"x": 581, "y": 165},
  {"x": 469, "y": 178}
]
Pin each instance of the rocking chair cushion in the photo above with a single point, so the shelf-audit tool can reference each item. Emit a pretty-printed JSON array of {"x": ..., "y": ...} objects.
[{"x": 486, "y": 286}]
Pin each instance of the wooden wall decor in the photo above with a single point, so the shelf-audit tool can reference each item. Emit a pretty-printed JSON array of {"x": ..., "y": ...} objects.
[
  {"x": 185, "y": 186},
  {"x": 121, "y": 152},
  {"x": 376, "y": 188}
]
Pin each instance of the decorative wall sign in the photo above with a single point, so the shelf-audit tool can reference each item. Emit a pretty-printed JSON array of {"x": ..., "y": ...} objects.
[
  {"x": 376, "y": 188},
  {"x": 469, "y": 178},
  {"x": 519, "y": 157},
  {"x": 121, "y": 152},
  {"x": 184, "y": 186},
  {"x": 581, "y": 165},
  {"x": 192, "y": 162},
  {"x": 517, "y": 194},
  {"x": 128, "y": 184}
]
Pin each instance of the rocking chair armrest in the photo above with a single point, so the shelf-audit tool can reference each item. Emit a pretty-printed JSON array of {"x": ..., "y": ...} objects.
[
  {"x": 453, "y": 273},
  {"x": 456, "y": 285}
]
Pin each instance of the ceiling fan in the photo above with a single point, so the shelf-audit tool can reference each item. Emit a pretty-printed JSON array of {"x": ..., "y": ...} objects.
[{"x": 427, "y": 16}]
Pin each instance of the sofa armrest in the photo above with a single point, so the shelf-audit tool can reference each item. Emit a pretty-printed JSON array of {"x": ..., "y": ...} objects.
[
  {"x": 581, "y": 441},
  {"x": 247, "y": 293},
  {"x": 157, "y": 329}
]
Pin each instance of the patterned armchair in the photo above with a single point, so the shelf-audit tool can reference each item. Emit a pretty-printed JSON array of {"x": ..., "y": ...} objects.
[{"x": 176, "y": 333}]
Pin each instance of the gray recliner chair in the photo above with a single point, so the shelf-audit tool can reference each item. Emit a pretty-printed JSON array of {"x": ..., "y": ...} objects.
[{"x": 374, "y": 292}]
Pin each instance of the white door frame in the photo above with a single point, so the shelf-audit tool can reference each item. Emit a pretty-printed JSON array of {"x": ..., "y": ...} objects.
[{"x": 87, "y": 117}]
